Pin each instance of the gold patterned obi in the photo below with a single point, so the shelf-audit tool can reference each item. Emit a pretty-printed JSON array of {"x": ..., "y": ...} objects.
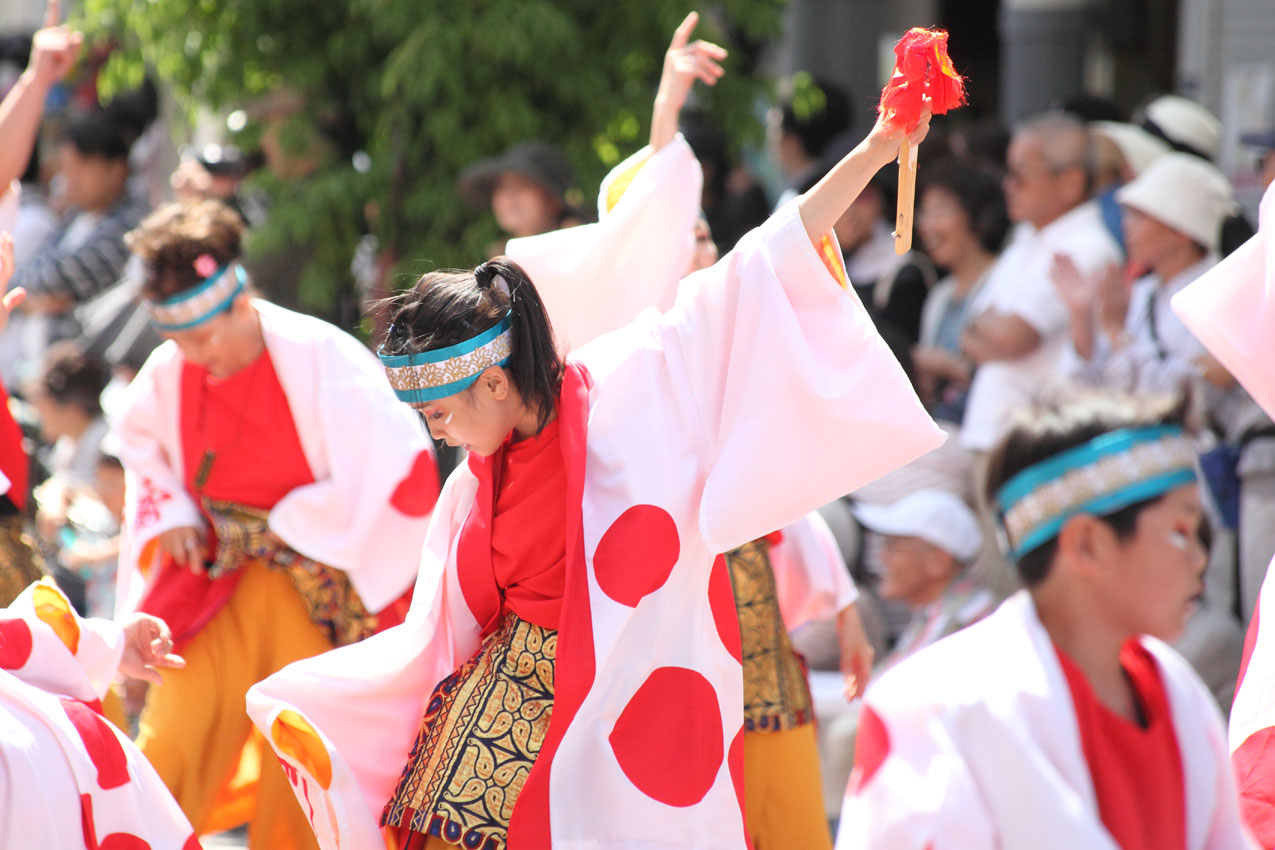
[
  {"x": 333, "y": 604},
  {"x": 19, "y": 564},
  {"x": 482, "y": 730},
  {"x": 776, "y": 694}
]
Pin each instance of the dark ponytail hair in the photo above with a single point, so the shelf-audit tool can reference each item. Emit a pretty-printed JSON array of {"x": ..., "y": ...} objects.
[{"x": 448, "y": 307}]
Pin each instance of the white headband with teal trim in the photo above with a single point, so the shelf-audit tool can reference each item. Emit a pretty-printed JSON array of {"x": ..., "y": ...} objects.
[
  {"x": 1100, "y": 477},
  {"x": 193, "y": 307},
  {"x": 430, "y": 375}
]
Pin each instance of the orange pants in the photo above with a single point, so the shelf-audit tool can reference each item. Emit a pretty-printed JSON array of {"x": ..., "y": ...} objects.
[
  {"x": 783, "y": 799},
  {"x": 195, "y": 729}
]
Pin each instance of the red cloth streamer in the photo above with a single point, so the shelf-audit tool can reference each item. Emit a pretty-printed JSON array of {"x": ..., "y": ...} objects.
[{"x": 921, "y": 68}]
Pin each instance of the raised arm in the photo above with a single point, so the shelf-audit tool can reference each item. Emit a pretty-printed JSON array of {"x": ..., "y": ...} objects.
[
  {"x": 53, "y": 52},
  {"x": 683, "y": 65},
  {"x": 828, "y": 199}
]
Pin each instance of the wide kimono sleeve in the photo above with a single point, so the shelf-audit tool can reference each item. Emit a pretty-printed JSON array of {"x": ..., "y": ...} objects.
[
  {"x": 811, "y": 577},
  {"x": 69, "y": 778},
  {"x": 598, "y": 277},
  {"x": 343, "y": 722},
  {"x": 376, "y": 479},
  {"x": 797, "y": 394},
  {"x": 156, "y": 499}
]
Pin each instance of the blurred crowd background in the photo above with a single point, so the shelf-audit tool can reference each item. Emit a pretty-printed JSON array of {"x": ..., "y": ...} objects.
[{"x": 1111, "y": 151}]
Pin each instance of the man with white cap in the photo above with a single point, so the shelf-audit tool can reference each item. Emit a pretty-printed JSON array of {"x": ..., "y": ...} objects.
[
  {"x": 1121, "y": 152},
  {"x": 930, "y": 537},
  {"x": 1130, "y": 340}
]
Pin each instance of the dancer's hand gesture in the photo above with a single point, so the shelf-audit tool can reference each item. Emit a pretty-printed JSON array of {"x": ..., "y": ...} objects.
[{"x": 683, "y": 64}]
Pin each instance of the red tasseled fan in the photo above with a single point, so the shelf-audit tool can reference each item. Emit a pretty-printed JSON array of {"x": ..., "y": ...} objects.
[{"x": 921, "y": 68}]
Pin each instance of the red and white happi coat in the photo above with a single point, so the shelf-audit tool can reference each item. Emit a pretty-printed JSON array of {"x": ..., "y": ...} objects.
[
  {"x": 1231, "y": 309},
  {"x": 69, "y": 780},
  {"x": 375, "y": 476},
  {"x": 763, "y": 393},
  {"x": 972, "y": 743}
]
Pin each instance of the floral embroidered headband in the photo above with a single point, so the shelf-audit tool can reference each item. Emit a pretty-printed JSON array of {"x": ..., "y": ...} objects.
[
  {"x": 431, "y": 375},
  {"x": 1100, "y": 477},
  {"x": 213, "y": 295}
]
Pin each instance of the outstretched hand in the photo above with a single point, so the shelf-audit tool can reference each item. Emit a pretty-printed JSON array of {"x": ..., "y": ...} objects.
[
  {"x": 684, "y": 63},
  {"x": 148, "y": 646},
  {"x": 53, "y": 48},
  {"x": 11, "y": 300}
]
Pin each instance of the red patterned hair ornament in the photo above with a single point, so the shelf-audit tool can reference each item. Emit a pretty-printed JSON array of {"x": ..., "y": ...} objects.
[{"x": 921, "y": 68}]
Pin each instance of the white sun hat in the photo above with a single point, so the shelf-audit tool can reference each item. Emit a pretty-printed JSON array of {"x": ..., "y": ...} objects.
[
  {"x": 1185, "y": 122},
  {"x": 935, "y": 516},
  {"x": 1138, "y": 147},
  {"x": 1184, "y": 192}
]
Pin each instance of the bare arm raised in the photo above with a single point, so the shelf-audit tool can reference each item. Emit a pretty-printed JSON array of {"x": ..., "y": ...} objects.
[{"x": 824, "y": 203}]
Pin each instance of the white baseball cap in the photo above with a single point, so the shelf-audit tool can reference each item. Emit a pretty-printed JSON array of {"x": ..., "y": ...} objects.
[
  {"x": 1185, "y": 122},
  {"x": 1138, "y": 147},
  {"x": 935, "y": 516},
  {"x": 1184, "y": 192}
]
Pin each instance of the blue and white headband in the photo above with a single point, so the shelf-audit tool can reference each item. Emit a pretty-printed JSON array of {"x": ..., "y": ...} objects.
[
  {"x": 430, "y": 375},
  {"x": 1110, "y": 472},
  {"x": 193, "y": 307}
]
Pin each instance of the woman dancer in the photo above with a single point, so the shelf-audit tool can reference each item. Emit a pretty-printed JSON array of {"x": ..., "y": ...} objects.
[
  {"x": 572, "y": 647},
  {"x": 277, "y": 501}
]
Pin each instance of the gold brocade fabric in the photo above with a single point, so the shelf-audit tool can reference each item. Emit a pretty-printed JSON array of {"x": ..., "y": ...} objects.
[
  {"x": 19, "y": 564},
  {"x": 480, "y": 735},
  {"x": 776, "y": 696},
  {"x": 332, "y": 602}
]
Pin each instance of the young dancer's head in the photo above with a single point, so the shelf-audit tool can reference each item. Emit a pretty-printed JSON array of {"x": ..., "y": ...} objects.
[
  {"x": 194, "y": 285},
  {"x": 474, "y": 352},
  {"x": 1097, "y": 498}
]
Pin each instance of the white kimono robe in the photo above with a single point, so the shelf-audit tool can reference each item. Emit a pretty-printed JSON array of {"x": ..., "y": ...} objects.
[
  {"x": 360, "y": 442},
  {"x": 669, "y": 431},
  {"x": 977, "y": 747},
  {"x": 68, "y": 778},
  {"x": 1231, "y": 309}
]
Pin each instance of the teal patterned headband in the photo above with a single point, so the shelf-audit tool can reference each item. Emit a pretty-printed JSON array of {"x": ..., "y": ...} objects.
[
  {"x": 1110, "y": 472},
  {"x": 430, "y": 375},
  {"x": 193, "y": 307}
]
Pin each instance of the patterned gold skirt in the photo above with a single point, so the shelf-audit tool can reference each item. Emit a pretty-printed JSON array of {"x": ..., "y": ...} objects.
[
  {"x": 333, "y": 603},
  {"x": 776, "y": 694},
  {"x": 19, "y": 563},
  {"x": 480, "y": 735}
]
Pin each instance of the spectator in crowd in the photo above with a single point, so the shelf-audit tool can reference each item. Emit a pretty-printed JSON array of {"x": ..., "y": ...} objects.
[
  {"x": 1190, "y": 128},
  {"x": 1130, "y": 340},
  {"x": 930, "y": 537},
  {"x": 526, "y": 188},
  {"x": 813, "y": 115},
  {"x": 962, "y": 224},
  {"x": 66, "y": 398},
  {"x": 87, "y": 255},
  {"x": 1020, "y": 324},
  {"x": 1264, "y": 143},
  {"x": 1121, "y": 153}
]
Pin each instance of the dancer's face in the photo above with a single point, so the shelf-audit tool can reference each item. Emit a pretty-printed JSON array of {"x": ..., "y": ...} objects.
[
  {"x": 479, "y": 418},
  {"x": 1152, "y": 580}
]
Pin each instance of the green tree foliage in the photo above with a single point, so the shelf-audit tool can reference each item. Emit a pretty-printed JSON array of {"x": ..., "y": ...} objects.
[{"x": 424, "y": 88}]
